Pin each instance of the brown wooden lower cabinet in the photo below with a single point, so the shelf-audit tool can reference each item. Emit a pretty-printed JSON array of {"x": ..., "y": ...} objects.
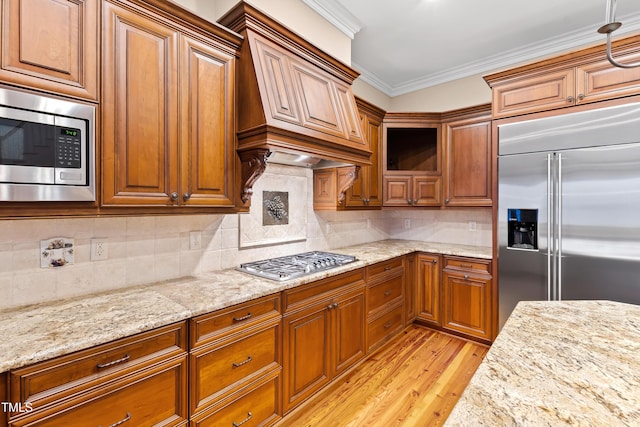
[
  {"x": 323, "y": 335},
  {"x": 428, "y": 283},
  {"x": 466, "y": 294},
  {"x": 154, "y": 396}
]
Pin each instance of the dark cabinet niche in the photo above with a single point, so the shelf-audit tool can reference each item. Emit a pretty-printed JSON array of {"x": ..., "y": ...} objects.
[{"x": 412, "y": 149}]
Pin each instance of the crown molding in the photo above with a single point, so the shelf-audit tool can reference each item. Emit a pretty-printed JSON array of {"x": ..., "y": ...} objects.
[
  {"x": 337, "y": 15},
  {"x": 547, "y": 47}
]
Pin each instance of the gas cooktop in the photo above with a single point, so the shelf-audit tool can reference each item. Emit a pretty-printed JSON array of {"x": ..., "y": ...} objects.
[{"x": 294, "y": 266}]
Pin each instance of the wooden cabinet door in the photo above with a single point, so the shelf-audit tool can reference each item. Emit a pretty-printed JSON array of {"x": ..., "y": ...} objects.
[
  {"x": 307, "y": 352},
  {"x": 467, "y": 148},
  {"x": 601, "y": 80},
  {"x": 428, "y": 281},
  {"x": 51, "y": 45},
  {"x": 411, "y": 288},
  {"x": 467, "y": 303},
  {"x": 139, "y": 109},
  {"x": 206, "y": 125},
  {"x": 427, "y": 191},
  {"x": 349, "y": 329},
  {"x": 397, "y": 190},
  {"x": 555, "y": 89}
]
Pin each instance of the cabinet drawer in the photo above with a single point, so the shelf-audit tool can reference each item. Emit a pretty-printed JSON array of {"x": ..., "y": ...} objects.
[
  {"x": 385, "y": 327},
  {"x": 218, "y": 370},
  {"x": 386, "y": 293},
  {"x": 155, "y": 396},
  {"x": 385, "y": 267},
  {"x": 209, "y": 327},
  {"x": 320, "y": 289},
  {"x": 468, "y": 264},
  {"x": 50, "y": 381},
  {"x": 258, "y": 406}
]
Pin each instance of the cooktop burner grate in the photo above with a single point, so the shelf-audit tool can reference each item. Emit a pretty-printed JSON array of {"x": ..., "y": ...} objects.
[{"x": 294, "y": 266}]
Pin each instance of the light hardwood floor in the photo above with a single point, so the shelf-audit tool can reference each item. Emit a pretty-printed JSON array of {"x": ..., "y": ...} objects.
[{"x": 415, "y": 380}]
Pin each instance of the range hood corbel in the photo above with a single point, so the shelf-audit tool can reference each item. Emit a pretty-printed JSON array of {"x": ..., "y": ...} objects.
[{"x": 292, "y": 98}]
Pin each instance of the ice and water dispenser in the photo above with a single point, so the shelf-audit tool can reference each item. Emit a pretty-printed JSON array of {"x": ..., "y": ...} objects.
[{"x": 522, "y": 229}]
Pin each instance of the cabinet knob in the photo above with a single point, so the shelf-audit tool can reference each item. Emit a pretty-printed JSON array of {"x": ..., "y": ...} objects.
[
  {"x": 466, "y": 276},
  {"x": 571, "y": 99},
  {"x": 186, "y": 196},
  {"x": 435, "y": 261},
  {"x": 580, "y": 97},
  {"x": 330, "y": 307},
  {"x": 446, "y": 201},
  {"x": 174, "y": 196},
  {"x": 409, "y": 201}
]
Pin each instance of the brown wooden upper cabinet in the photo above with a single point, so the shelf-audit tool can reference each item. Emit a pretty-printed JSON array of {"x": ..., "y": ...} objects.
[
  {"x": 366, "y": 191},
  {"x": 577, "y": 78},
  {"x": 168, "y": 107},
  {"x": 51, "y": 45},
  {"x": 412, "y": 159},
  {"x": 431, "y": 159},
  {"x": 467, "y": 157}
]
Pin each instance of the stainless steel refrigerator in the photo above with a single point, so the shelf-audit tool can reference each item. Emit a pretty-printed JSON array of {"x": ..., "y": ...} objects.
[{"x": 569, "y": 208}]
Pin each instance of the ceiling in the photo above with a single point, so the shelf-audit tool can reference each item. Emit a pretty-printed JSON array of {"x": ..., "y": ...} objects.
[{"x": 401, "y": 46}]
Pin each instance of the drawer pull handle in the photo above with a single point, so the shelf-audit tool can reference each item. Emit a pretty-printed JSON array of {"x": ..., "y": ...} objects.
[
  {"x": 122, "y": 421},
  {"x": 466, "y": 265},
  {"x": 240, "y": 319},
  {"x": 388, "y": 325},
  {"x": 387, "y": 268},
  {"x": 249, "y": 416},
  {"x": 244, "y": 362},
  {"x": 114, "y": 362},
  {"x": 387, "y": 293}
]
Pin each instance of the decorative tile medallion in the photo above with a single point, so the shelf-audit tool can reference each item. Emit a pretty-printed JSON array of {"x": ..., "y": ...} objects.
[{"x": 275, "y": 208}]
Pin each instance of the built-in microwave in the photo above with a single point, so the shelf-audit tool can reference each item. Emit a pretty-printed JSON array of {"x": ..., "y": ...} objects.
[{"x": 47, "y": 148}]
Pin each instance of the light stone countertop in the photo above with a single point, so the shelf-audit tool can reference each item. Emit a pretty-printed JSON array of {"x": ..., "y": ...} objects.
[
  {"x": 40, "y": 332},
  {"x": 558, "y": 363}
]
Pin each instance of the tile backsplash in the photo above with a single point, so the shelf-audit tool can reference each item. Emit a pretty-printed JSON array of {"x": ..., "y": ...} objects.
[{"x": 146, "y": 249}]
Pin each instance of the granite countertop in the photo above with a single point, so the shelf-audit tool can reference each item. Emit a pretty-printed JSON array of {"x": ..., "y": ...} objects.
[
  {"x": 43, "y": 331},
  {"x": 558, "y": 363}
]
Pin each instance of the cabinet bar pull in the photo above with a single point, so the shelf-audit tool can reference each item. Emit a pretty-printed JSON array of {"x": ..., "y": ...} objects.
[
  {"x": 244, "y": 362},
  {"x": 240, "y": 319},
  {"x": 114, "y": 362},
  {"x": 122, "y": 421},
  {"x": 466, "y": 265},
  {"x": 249, "y": 416},
  {"x": 387, "y": 293},
  {"x": 387, "y": 268},
  {"x": 388, "y": 325}
]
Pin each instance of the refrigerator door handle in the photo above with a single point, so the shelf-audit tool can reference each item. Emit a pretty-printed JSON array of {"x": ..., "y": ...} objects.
[
  {"x": 549, "y": 226},
  {"x": 559, "y": 235}
]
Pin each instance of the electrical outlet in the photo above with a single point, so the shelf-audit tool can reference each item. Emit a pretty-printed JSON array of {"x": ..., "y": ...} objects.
[
  {"x": 195, "y": 240},
  {"x": 472, "y": 226},
  {"x": 407, "y": 223},
  {"x": 99, "y": 249}
]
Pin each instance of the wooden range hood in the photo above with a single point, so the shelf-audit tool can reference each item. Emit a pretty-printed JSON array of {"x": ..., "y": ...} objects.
[{"x": 291, "y": 98}]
